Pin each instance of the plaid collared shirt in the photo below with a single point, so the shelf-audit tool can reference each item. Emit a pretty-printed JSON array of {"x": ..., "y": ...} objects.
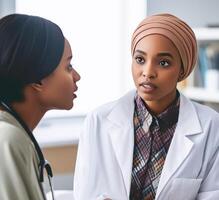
[{"x": 153, "y": 135}]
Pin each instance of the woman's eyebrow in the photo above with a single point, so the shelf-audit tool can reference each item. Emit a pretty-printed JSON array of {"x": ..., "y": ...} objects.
[
  {"x": 141, "y": 52},
  {"x": 165, "y": 54}
]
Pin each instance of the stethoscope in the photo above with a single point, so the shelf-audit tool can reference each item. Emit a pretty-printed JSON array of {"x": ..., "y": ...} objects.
[{"x": 44, "y": 164}]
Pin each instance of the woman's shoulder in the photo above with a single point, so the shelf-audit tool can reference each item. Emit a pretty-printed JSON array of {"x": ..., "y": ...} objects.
[
  {"x": 203, "y": 111},
  {"x": 15, "y": 146},
  {"x": 12, "y": 135},
  {"x": 208, "y": 118}
]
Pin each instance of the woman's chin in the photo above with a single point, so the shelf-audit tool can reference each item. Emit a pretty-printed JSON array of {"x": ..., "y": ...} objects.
[
  {"x": 69, "y": 106},
  {"x": 66, "y": 106},
  {"x": 146, "y": 96}
]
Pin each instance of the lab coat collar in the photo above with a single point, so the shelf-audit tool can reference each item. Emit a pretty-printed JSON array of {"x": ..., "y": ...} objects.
[
  {"x": 123, "y": 111},
  {"x": 121, "y": 132},
  {"x": 188, "y": 117}
]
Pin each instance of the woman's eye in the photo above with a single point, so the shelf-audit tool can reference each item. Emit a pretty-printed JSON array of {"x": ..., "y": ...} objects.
[
  {"x": 139, "y": 60},
  {"x": 70, "y": 67},
  {"x": 164, "y": 63}
]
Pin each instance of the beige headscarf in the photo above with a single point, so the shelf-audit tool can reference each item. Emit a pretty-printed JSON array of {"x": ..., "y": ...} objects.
[{"x": 176, "y": 30}]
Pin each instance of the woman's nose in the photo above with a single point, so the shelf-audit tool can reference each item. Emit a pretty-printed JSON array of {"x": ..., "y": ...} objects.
[
  {"x": 149, "y": 71},
  {"x": 76, "y": 75}
]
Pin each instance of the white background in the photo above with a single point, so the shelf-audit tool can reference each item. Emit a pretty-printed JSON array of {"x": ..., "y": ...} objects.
[{"x": 99, "y": 32}]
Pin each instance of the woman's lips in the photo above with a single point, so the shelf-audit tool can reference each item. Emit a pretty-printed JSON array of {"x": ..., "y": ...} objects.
[
  {"x": 74, "y": 95},
  {"x": 148, "y": 87}
]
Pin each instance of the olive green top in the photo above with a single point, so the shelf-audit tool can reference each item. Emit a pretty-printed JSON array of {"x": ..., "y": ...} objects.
[{"x": 19, "y": 171}]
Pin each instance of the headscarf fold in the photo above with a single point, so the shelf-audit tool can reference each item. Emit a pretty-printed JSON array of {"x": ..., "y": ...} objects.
[{"x": 175, "y": 30}]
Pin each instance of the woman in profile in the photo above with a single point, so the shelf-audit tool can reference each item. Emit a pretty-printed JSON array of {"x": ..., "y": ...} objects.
[
  {"x": 152, "y": 143},
  {"x": 35, "y": 76}
]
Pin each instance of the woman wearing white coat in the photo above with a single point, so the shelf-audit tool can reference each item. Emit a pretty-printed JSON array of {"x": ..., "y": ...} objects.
[{"x": 153, "y": 143}]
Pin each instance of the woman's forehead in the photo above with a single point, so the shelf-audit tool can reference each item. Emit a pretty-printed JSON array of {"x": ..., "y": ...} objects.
[{"x": 157, "y": 44}]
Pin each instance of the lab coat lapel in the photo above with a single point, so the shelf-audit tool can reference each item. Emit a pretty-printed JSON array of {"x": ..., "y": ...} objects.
[
  {"x": 181, "y": 145},
  {"x": 121, "y": 132}
]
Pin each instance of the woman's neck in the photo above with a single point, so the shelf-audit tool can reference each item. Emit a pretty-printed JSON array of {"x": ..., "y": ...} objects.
[
  {"x": 157, "y": 107},
  {"x": 29, "y": 113}
]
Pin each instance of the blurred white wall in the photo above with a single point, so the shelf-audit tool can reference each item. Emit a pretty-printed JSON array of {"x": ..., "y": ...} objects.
[
  {"x": 195, "y": 12},
  {"x": 100, "y": 35},
  {"x": 6, "y": 7}
]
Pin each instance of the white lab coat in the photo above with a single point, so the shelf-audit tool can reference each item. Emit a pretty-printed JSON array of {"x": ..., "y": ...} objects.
[{"x": 104, "y": 161}]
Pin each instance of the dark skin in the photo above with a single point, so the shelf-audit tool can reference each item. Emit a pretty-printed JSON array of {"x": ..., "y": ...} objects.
[
  {"x": 156, "y": 69},
  {"x": 39, "y": 98}
]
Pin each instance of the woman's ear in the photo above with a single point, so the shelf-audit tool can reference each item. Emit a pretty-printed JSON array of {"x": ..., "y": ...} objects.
[
  {"x": 37, "y": 86},
  {"x": 180, "y": 77},
  {"x": 181, "y": 73}
]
